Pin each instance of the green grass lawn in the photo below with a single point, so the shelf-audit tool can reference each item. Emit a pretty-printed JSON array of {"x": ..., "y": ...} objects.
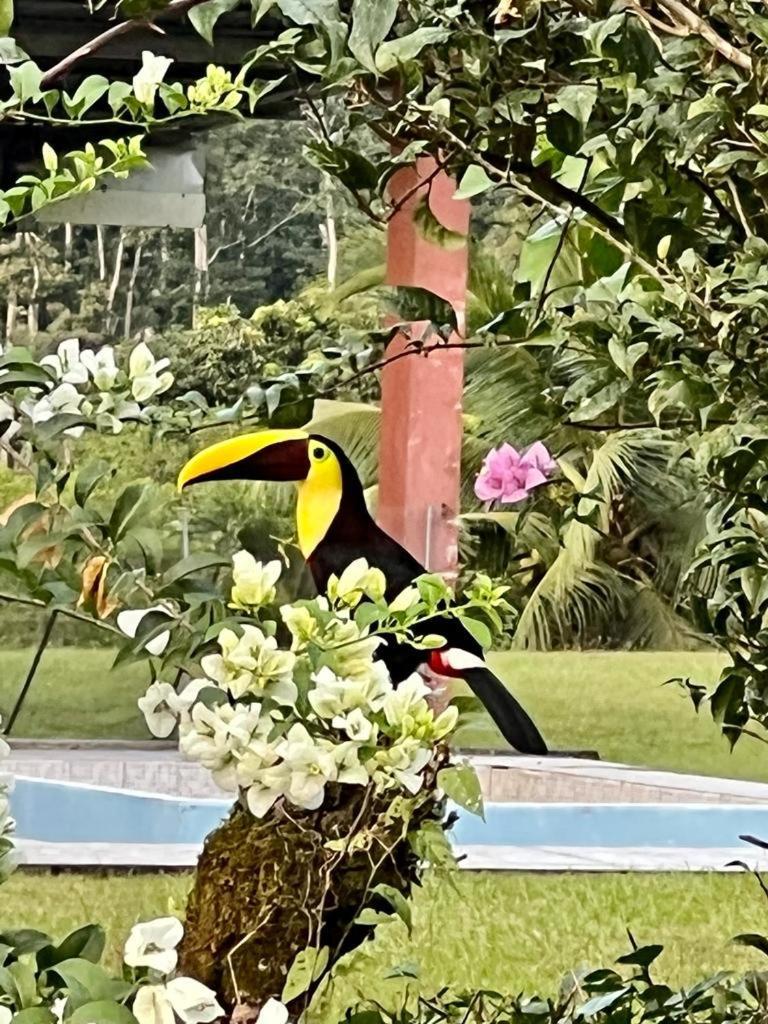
[
  {"x": 612, "y": 702},
  {"x": 504, "y": 931},
  {"x": 75, "y": 693}
]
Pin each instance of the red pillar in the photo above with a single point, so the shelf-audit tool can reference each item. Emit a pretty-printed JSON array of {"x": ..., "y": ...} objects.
[{"x": 420, "y": 444}]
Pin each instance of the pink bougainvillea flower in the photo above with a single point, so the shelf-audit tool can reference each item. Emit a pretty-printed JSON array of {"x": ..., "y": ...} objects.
[{"x": 508, "y": 476}]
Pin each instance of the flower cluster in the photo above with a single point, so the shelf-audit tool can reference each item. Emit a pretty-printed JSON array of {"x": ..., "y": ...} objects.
[
  {"x": 278, "y": 720},
  {"x": 89, "y": 383},
  {"x": 509, "y": 475},
  {"x": 150, "y": 951}
]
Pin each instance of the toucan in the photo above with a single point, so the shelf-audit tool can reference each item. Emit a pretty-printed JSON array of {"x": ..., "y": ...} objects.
[{"x": 334, "y": 528}]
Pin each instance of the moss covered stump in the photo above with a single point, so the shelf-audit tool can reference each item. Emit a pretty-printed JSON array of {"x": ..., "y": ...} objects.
[{"x": 265, "y": 889}]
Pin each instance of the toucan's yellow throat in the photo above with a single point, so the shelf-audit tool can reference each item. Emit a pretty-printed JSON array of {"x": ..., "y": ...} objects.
[{"x": 279, "y": 455}]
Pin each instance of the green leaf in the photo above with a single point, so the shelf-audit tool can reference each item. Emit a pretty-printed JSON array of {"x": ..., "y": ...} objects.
[
  {"x": 205, "y": 16},
  {"x": 602, "y": 1002},
  {"x": 460, "y": 783},
  {"x": 86, "y": 943},
  {"x": 397, "y": 51},
  {"x": 578, "y": 101},
  {"x": 50, "y": 159},
  {"x": 564, "y": 132},
  {"x": 371, "y": 22},
  {"x": 473, "y": 182},
  {"x": 104, "y": 1011},
  {"x": 88, "y": 982},
  {"x": 6, "y": 17},
  {"x": 309, "y": 12},
  {"x": 400, "y": 905},
  {"x": 89, "y": 477},
  {"x": 643, "y": 956},
  {"x": 90, "y": 91},
  {"x": 752, "y": 939},
  {"x": 25, "y": 81},
  {"x": 117, "y": 95},
  {"x": 194, "y": 563},
  {"x": 260, "y": 8},
  {"x": 34, "y": 1015},
  {"x": 478, "y": 629},
  {"x": 307, "y": 967},
  {"x": 26, "y": 983},
  {"x": 10, "y": 51},
  {"x": 128, "y": 507}
]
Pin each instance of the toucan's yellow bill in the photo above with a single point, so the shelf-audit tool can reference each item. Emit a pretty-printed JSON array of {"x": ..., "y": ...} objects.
[{"x": 241, "y": 458}]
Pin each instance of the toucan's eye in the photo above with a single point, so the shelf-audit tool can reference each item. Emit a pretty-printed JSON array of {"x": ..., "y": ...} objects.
[{"x": 319, "y": 453}]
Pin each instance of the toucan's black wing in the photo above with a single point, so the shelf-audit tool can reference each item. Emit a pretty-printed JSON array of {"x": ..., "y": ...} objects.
[{"x": 512, "y": 720}]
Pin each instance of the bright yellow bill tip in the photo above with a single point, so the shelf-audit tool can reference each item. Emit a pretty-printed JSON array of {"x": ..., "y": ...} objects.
[{"x": 226, "y": 453}]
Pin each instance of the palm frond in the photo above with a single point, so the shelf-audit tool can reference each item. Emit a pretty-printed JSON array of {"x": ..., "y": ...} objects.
[
  {"x": 651, "y": 622},
  {"x": 504, "y": 397},
  {"x": 577, "y": 592}
]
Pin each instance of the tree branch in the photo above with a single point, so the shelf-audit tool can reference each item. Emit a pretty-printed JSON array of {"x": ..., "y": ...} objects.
[
  {"x": 687, "y": 22},
  {"x": 65, "y": 65}
]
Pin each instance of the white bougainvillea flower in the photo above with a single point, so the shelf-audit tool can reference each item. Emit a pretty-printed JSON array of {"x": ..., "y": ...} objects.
[
  {"x": 6, "y": 1016},
  {"x": 152, "y": 72},
  {"x": 157, "y": 706},
  {"x": 350, "y": 770},
  {"x": 348, "y": 652},
  {"x": 152, "y": 1006},
  {"x": 407, "y": 700},
  {"x": 101, "y": 366},
  {"x": 332, "y": 697},
  {"x": 145, "y": 373},
  {"x": 252, "y": 663},
  {"x": 301, "y": 623},
  {"x": 67, "y": 363},
  {"x": 311, "y": 765},
  {"x": 65, "y": 398},
  {"x": 356, "y": 726},
  {"x": 401, "y": 764},
  {"x": 218, "y": 736},
  {"x": 253, "y": 582},
  {"x": 128, "y": 622},
  {"x": 405, "y": 600},
  {"x": 273, "y": 1012},
  {"x": 358, "y": 580},
  {"x": 193, "y": 1002},
  {"x": 153, "y": 944},
  {"x": 268, "y": 785},
  {"x": 183, "y": 701}
]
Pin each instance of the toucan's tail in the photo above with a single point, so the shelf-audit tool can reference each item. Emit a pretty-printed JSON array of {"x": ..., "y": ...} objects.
[{"x": 514, "y": 722}]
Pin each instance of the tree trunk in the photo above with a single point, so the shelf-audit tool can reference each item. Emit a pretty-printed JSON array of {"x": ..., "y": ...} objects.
[
  {"x": 132, "y": 291},
  {"x": 115, "y": 280},
  {"x": 67, "y": 244},
  {"x": 331, "y": 241},
  {"x": 201, "y": 269},
  {"x": 101, "y": 255},
  {"x": 33, "y": 307},
  {"x": 11, "y": 313},
  {"x": 267, "y": 889}
]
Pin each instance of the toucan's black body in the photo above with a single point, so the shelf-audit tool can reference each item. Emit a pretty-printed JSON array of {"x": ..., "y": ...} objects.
[{"x": 352, "y": 533}]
